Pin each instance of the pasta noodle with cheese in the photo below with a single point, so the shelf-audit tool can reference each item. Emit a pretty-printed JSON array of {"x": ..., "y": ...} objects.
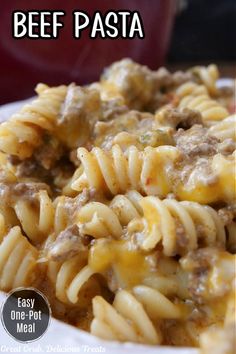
[
  {"x": 174, "y": 224},
  {"x": 118, "y": 172},
  {"x": 117, "y": 201}
]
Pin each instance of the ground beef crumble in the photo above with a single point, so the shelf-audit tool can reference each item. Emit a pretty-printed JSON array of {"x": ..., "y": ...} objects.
[
  {"x": 67, "y": 244},
  {"x": 196, "y": 142}
]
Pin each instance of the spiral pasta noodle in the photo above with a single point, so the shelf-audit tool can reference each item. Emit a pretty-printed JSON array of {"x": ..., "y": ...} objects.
[
  {"x": 119, "y": 172},
  {"x": 18, "y": 261},
  {"x": 36, "y": 224},
  {"x": 190, "y": 88},
  {"x": 210, "y": 109},
  {"x": 67, "y": 189},
  {"x": 194, "y": 96},
  {"x": 61, "y": 218},
  {"x": 24, "y": 131},
  {"x": 35, "y": 216},
  {"x": 151, "y": 172},
  {"x": 225, "y": 129},
  {"x": 98, "y": 220},
  {"x": 127, "y": 206},
  {"x": 69, "y": 277},
  {"x": 101, "y": 220},
  {"x": 208, "y": 76},
  {"x": 176, "y": 225},
  {"x": 130, "y": 317}
]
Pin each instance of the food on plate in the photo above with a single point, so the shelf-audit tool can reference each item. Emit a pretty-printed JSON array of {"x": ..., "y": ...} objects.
[{"x": 118, "y": 203}]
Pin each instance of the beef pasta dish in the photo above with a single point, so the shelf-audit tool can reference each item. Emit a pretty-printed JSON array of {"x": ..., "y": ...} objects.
[{"x": 117, "y": 201}]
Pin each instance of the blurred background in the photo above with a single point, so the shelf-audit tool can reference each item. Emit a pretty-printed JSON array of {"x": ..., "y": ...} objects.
[{"x": 178, "y": 34}]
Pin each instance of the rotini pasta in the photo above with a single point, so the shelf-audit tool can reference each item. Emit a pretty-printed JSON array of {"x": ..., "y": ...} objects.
[
  {"x": 226, "y": 129},
  {"x": 118, "y": 172},
  {"x": 190, "y": 89},
  {"x": 117, "y": 201},
  {"x": 179, "y": 225},
  {"x": 69, "y": 277},
  {"x": 153, "y": 172},
  {"x": 100, "y": 220},
  {"x": 210, "y": 109},
  {"x": 18, "y": 261},
  {"x": 194, "y": 96},
  {"x": 126, "y": 320},
  {"x": 35, "y": 215},
  {"x": 24, "y": 131},
  {"x": 130, "y": 317},
  {"x": 208, "y": 76},
  {"x": 36, "y": 224}
]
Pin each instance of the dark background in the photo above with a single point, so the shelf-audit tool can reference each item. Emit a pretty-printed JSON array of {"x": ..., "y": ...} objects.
[
  {"x": 205, "y": 30},
  {"x": 179, "y": 33}
]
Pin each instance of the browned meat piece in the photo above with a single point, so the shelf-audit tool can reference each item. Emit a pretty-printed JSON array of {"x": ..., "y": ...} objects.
[
  {"x": 82, "y": 108},
  {"x": 72, "y": 205},
  {"x": 165, "y": 82},
  {"x": 158, "y": 100},
  {"x": 227, "y": 215},
  {"x": 142, "y": 88},
  {"x": 28, "y": 168},
  {"x": 28, "y": 189},
  {"x": 41, "y": 164},
  {"x": 196, "y": 142},
  {"x": 57, "y": 176},
  {"x": 135, "y": 82},
  {"x": 132, "y": 122},
  {"x": 163, "y": 78},
  {"x": 181, "y": 237},
  {"x": 210, "y": 273},
  {"x": 68, "y": 243},
  {"x": 200, "y": 168},
  {"x": 112, "y": 109},
  {"x": 49, "y": 152},
  {"x": 157, "y": 137},
  {"x": 176, "y": 118},
  {"x": 11, "y": 192}
]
